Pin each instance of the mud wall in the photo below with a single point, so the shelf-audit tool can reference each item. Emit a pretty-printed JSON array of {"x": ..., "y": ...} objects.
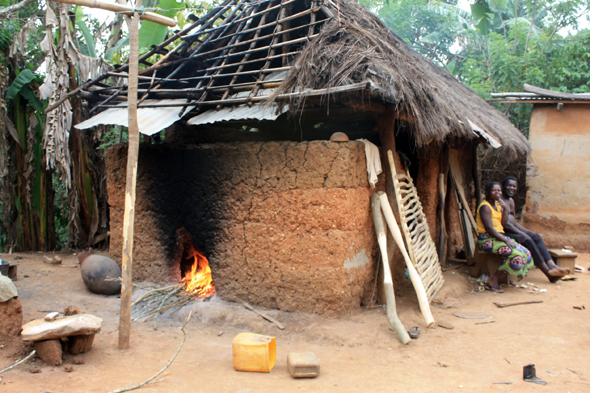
[
  {"x": 558, "y": 197},
  {"x": 427, "y": 187},
  {"x": 285, "y": 225}
]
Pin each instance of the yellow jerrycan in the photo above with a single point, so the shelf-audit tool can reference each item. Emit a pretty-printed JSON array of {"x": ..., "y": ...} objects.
[{"x": 254, "y": 352}]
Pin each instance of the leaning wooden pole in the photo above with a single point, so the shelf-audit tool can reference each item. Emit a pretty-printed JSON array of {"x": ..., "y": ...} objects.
[
  {"x": 416, "y": 281},
  {"x": 392, "y": 318},
  {"x": 132, "y": 154}
]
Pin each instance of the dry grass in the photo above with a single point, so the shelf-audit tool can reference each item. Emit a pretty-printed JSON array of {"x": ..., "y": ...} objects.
[{"x": 364, "y": 49}]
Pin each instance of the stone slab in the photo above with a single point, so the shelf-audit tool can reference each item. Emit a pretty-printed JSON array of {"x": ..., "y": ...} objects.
[
  {"x": 75, "y": 325},
  {"x": 303, "y": 365}
]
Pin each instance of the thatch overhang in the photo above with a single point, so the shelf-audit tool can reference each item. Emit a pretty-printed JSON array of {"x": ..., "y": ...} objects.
[{"x": 285, "y": 51}]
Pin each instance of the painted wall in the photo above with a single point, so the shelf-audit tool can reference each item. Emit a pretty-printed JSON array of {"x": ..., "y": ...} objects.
[{"x": 558, "y": 198}]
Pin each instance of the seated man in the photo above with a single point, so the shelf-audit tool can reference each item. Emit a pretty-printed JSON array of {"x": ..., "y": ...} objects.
[{"x": 532, "y": 241}]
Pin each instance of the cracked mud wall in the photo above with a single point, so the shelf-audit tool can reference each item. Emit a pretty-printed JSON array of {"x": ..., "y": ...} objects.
[{"x": 285, "y": 225}]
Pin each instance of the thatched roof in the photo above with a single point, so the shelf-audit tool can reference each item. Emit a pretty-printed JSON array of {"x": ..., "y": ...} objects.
[{"x": 247, "y": 51}]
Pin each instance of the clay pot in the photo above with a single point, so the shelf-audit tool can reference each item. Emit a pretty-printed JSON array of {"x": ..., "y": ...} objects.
[
  {"x": 339, "y": 137},
  {"x": 95, "y": 269}
]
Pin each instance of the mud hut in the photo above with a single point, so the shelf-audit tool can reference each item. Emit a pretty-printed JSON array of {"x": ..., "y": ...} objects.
[
  {"x": 247, "y": 174},
  {"x": 557, "y": 200}
]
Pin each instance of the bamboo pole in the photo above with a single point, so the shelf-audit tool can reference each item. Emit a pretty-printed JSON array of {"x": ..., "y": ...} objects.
[
  {"x": 224, "y": 59},
  {"x": 311, "y": 93},
  {"x": 153, "y": 17},
  {"x": 242, "y": 19},
  {"x": 392, "y": 318},
  {"x": 132, "y": 154},
  {"x": 416, "y": 281}
]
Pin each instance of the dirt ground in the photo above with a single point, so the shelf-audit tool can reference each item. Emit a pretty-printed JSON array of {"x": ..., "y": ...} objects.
[{"x": 356, "y": 352}]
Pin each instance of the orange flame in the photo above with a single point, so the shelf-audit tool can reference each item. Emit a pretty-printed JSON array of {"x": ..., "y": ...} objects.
[{"x": 199, "y": 280}]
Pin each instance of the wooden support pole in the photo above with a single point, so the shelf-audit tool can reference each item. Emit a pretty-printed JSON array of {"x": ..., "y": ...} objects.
[
  {"x": 392, "y": 318},
  {"x": 133, "y": 148},
  {"x": 477, "y": 178},
  {"x": 151, "y": 16},
  {"x": 442, "y": 240},
  {"x": 416, "y": 281},
  {"x": 132, "y": 155}
]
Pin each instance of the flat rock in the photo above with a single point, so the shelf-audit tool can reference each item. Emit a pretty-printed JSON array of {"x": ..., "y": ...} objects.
[{"x": 75, "y": 325}]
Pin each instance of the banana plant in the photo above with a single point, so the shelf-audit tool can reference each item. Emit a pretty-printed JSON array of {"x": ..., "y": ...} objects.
[{"x": 33, "y": 227}]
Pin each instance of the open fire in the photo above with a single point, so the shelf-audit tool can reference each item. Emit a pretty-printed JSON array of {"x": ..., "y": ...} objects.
[{"x": 198, "y": 279}]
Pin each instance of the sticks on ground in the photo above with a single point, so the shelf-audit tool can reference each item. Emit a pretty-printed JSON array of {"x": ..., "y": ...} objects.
[
  {"x": 165, "y": 367},
  {"x": 157, "y": 300},
  {"x": 263, "y": 315},
  {"x": 19, "y": 362},
  {"x": 508, "y": 304}
]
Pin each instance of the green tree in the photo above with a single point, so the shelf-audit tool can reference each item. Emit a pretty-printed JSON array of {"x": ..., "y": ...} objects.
[{"x": 499, "y": 45}]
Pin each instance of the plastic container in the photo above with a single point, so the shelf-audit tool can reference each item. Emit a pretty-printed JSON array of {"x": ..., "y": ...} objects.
[{"x": 254, "y": 352}]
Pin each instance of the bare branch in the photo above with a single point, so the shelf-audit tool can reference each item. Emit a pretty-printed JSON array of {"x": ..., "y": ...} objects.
[
  {"x": 5, "y": 12},
  {"x": 25, "y": 359},
  {"x": 165, "y": 367}
]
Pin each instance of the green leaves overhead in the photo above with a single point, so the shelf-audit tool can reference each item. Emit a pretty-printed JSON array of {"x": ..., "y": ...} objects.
[
  {"x": 152, "y": 33},
  {"x": 498, "y": 5},
  {"x": 500, "y": 44},
  {"x": 23, "y": 79},
  {"x": 88, "y": 37},
  {"x": 482, "y": 16},
  {"x": 122, "y": 43}
]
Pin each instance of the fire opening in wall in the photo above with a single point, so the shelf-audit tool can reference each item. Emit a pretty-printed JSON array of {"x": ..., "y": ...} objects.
[{"x": 196, "y": 273}]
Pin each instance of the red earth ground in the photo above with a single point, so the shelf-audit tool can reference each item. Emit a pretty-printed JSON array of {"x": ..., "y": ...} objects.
[{"x": 357, "y": 352}]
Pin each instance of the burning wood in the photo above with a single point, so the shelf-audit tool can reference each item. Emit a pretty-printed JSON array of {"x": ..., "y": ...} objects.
[
  {"x": 197, "y": 283},
  {"x": 199, "y": 279}
]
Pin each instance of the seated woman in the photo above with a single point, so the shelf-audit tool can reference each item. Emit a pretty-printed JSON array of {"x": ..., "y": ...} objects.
[{"x": 491, "y": 215}]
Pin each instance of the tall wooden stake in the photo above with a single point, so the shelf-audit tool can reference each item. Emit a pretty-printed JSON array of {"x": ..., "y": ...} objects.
[{"x": 132, "y": 154}]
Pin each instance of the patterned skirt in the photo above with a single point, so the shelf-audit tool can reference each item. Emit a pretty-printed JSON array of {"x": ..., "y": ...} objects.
[{"x": 517, "y": 261}]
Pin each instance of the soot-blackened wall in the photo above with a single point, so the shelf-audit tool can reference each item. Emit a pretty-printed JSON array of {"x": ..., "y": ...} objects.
[{"x": 285, "y": 225}]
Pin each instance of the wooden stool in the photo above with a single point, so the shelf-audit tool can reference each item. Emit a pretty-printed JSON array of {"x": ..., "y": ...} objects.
[
  {"x": 12, "y": 272},
  {"x": 491, "y": 262},
  {"x": 564, "y": 259}
]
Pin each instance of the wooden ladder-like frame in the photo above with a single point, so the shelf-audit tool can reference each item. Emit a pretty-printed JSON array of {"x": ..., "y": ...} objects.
[{"x": 421, "y": 248}]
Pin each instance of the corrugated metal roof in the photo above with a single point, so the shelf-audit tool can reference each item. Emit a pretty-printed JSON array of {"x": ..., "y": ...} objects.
[
  {"x": 151, "y": 120},
  {"x": 240, "y": 112}
]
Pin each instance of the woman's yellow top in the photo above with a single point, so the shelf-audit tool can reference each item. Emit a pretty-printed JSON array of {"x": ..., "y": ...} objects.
[{"x": 496, "y": 218}]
